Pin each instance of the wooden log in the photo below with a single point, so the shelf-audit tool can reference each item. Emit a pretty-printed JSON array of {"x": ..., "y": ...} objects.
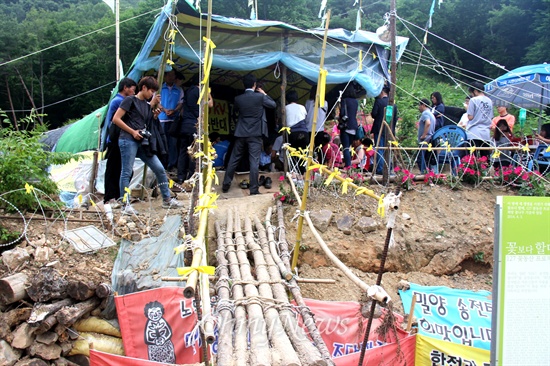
[
  {"x": 80, "y": 290},
  {"x": 308, "y": 354},
  {"x": 240, "y": 332},
  {"x": 103, "y": 290},
  {"x": 13, "y": 288},
  {"x": 282, "y": 350},
  {"x": 225, "y": 339},
  {"x": 285, "y": 273},
  {"x": 70, "y": 314},
  {"x": 307, "y": 318},
  {"x": 10, "y": 319},
  {"x": 47, "y": 324},
  {"x": 259, "y": 343},
  {"x": 47, "y": 284},
  {"x": 41, "y": 311}
]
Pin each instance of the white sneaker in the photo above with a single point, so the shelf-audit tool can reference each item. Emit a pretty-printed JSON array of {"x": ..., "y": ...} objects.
[
  {"x": 172, "y": 203},
  {"x": 129, "y": 210}
]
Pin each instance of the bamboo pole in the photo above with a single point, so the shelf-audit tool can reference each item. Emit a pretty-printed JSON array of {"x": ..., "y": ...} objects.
[
  {"x": 311, "y": 146},
  {"x": 308, "y": 354},
  {"x": 282, "y": 352},
  {"x": 224, "y": 356},
  {"x": 240, "y": 328},
  {"x": 327, "y": 281},
  {"x": 273, "y": 249},
  {"x": 260, "y": 353},
  {"x": 307, "y": 317}
]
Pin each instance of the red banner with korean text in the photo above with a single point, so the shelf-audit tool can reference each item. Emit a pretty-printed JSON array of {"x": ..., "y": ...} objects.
[
  {"x": 98, "y": 358},
  {"x": 159, "y": 325}
]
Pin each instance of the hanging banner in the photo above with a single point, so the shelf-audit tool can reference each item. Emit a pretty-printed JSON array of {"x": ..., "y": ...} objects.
[
  {"x": 219, "y": 117},
  {"x": 522, "y": 288},
  {"x": 435, "y": 352},
  {"x": 159, "y": 325},
  {"x": 98, "y": 358},
  {"x": 452, "y": 315},
  {"x": 392, "y": 354}
]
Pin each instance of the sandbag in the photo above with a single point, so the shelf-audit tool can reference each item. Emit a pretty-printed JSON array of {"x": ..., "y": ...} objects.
[
  {"x": 100, "y": 342},
  {"x": 97, "y": 325}
]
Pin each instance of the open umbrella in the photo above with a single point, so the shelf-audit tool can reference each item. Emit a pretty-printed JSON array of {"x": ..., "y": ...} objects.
[{"x": 526, "y": 86}]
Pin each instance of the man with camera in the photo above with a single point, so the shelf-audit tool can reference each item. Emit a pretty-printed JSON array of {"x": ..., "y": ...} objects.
[
  {"x": 137, "y": 118},
  {"x": 251, "y": 126}
]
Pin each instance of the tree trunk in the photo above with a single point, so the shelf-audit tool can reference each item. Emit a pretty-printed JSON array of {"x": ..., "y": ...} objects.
[
  {"x": 15, "y": 125},
  {"x": 12, "y": 288},
  {"x": 103, "y": 290},
  {"x": 46, "y": 285},
  {"x": 225, "y": 340}
]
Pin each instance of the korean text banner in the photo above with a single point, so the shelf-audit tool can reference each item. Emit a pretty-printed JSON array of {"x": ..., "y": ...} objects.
[
  {"x": 98, "y": 358},
  {"x": 158, "y": 325},
  {"x": 391, "y": 354},
  {"x": 453, "y": 315},
  {"x": 430, "y": 352}
]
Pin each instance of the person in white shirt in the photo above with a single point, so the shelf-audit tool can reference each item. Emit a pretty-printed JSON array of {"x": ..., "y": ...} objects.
[{"x": 480, "y": 114}]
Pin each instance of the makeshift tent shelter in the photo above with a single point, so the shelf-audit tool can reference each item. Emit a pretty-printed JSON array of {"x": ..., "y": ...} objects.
[
  {"x": 257, "y": 46},
  {"x": 260, "y": 47}
]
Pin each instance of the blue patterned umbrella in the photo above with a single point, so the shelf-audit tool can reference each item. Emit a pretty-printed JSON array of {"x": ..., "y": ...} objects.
[{"x": 526, "y": 86}]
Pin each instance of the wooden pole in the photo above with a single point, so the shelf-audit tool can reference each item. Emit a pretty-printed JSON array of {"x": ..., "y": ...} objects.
[
  {"x": 307, "y": 317},
  {"x": 117, "y": 39},
  {"x": 11, "y": 104},
  {"x": 240, "y": 329},
  {"x": 411, "y": 314},
  {"x": 307, "y": 353},
  {"x": 283, "y": 104},
  {"x": 391, "y": 96},
  {"x": 310, "y": 151},
  {"x": 282, "y": 351},
  {"x": 260, "y": 353},
  {"x": 225, "y": 339}
]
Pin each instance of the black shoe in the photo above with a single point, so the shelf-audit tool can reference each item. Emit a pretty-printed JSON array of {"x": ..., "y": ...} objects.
[
  {"x": 244, "y": 184},
  {"x": 261, "y": 180},
  {"x": 225, "y": 188},
  {"x": 267, "y": 183},
  {"x": 254, "y": 193}
]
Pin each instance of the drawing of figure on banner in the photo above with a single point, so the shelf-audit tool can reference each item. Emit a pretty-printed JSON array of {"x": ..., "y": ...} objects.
[{"x": 158, "y": 334}]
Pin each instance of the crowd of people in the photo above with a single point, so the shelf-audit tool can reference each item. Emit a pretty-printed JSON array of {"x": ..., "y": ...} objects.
[{"x": 159, "y": 128}]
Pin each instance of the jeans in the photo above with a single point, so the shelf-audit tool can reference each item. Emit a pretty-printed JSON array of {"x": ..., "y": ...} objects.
[
  {"x": 422, "y": 158},
  {"x": 172, "y": 160},
  {"x": 345, "y": 140},
  {"x": 380, "y": 153},
  {"x": 129, "y": 149}
]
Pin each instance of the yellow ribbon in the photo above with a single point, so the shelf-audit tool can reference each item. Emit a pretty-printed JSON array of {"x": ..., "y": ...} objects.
[
  {"x": 213, "y": 176},
  {"x": 173, "y": 33},
  {"x": 322, "y": 87},
  {"x": 79, "y": 199},
  {"x": 331, "y": 176},
  {"x": 374, "y": 56},
  {"x": 316, "y": 166},
  {"x": 472, "y": 149},
  {"x": 345, "y": 184},
  {"x": 447, "y": 145},
  {"x": 286, "y": 129},
  {"x": 547, "y": 149},
  {"x": 430, "y": 147},
  {"x": 395, "y": 143},
  {"x": 370, "y": 148},
  {"x": 208, "y": 56},
  {"x": 362, "y": 190},
  {"x": 126, "y": 197},
  {"x": 345, "y": 47},
  {"x": 496, "y": 154},
  {"x": 198, "y": 154},
  {"x": 381, "y": 208},
  {"x": 92, "y": 202},
  {"x": 28, "y": 188},
  {"x": 525, "y": 148},
  {"x": 360, "y": 60},
  {"x": 209, "y": 204},
  {"x": 170, "y": 183},
  {"x": 170, "y": 62},
  {"x": 209, "y": 270}
]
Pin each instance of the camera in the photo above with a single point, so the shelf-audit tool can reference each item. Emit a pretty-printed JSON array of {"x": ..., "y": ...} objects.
[{"x": 146, "y": 135}]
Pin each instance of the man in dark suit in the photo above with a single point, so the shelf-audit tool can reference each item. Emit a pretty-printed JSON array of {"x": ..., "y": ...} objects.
[{"x": 251, "y": 125}]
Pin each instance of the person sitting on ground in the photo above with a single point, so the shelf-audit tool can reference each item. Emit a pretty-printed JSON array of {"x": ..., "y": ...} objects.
[
  {"x": 265, "y": 158},
  {"x": 140, "y": 136},
  {"x": 502, "y": 136},
  {"x": 438, "y": 109},
  {"x": 503, "y": 114},
  {"x": 329, "y": 154},
  {"x": 362, "y": 157},
  {"x": 544, "y": 135}
]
